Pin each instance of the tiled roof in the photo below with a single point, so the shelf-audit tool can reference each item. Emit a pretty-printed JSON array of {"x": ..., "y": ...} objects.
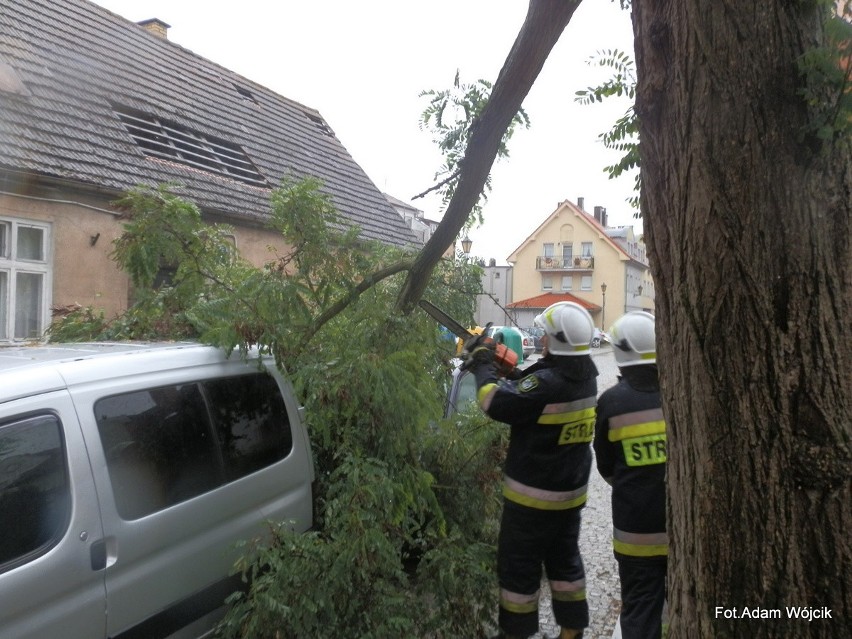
[
  {"x": 77, "y": 61},
  {"x": 546, "y": 299}
]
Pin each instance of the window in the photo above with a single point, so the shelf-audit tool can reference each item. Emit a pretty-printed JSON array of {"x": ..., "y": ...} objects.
[
  {"x": 586, "y": 249},
  {"x": 320, "y": 124},
  {"x": 466, "y": 397},
  {"x": 546, "y": 283},
  {"x": 548, "y": 250},
  {"x": 35, "y": 499},
  {"x": 245, "y": 93},
  {"x": 24, "y": 273},
  {"x": 169, "y": 444},
  {"x": 586, "y": 283},
  {"x": 250, "y": 421},
  {"x": 172, "y": 141},
  {"x": 567, "y": 282},
  {"x": 567, "y": 255},
  {"x": 4, "y": 296}
]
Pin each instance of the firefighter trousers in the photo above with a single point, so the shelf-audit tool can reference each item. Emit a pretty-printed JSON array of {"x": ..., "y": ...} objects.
[
  {"x": 643, "y": 594},
  {"x": 530, "y": 538}
]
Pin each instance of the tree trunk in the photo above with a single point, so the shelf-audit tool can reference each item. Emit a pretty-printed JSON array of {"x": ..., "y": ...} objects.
[
  {"x": 544, "y": 23},
  {"x": 747, "y": 219}
]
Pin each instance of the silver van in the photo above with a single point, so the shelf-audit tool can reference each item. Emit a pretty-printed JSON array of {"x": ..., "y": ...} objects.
[{"x": 128, "y": 473}]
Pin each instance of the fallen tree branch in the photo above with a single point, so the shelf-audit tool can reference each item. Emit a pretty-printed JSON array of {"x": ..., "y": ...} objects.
[{"x": 544, "y": 23}]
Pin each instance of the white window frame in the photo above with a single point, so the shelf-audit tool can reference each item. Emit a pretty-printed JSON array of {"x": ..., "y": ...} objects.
[
  {"x": 12, "y": 266},
  {"x": 546, "y": 283},
  {"x": 567, "y": 282},
  {"x": 586, "y": 283},
  {"x": 587, "y": 249}
]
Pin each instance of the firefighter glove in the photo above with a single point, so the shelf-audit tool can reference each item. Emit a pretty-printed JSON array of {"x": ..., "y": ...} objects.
[
  {"x": 471, "y": 343},
  {"x": 481, "y": 355}
]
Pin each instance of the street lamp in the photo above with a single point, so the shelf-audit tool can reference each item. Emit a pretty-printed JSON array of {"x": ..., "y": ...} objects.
[
  {"x": 466, "y": 244},
  {"x": 603, "y": 307}
]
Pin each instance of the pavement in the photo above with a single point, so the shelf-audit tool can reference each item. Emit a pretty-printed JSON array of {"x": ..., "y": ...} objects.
[{"x": 602, "y": 586}]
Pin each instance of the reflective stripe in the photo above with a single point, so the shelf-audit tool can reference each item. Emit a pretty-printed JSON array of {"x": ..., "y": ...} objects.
[
  {"x": 640, "y": 544},
  {"x": 639, "y": 551},
  {"x": 566, "y": 412},
  {"x": 636, "y": 417},
  {"x": 485, "y": 395},
  {"x": 646, "y": 539},
  {"x": 517, "y": 602},
  {"x": 568, "y": 590},
  {"x": 636, "y": 424},
  {"x": 542, "y": 499}
]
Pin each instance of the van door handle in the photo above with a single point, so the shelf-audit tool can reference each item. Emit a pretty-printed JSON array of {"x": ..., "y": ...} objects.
[{"x": 98, "y": 554}]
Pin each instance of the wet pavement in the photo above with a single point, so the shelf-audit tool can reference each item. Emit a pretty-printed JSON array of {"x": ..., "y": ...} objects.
[{"x": 602, "y": 587}]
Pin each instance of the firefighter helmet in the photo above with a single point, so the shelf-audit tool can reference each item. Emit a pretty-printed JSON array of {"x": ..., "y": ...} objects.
[
  {"x": 569, "y": 328},
  {"x": 634, "y": 339}
]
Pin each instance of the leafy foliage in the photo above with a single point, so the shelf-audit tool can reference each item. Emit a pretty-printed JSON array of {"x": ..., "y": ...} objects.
[
  {"x": 827, "y": 74},
  {"x": 451, "y": 117},
  {"x": 405, "y": 525},
  {"x": 624, "y": 134}
]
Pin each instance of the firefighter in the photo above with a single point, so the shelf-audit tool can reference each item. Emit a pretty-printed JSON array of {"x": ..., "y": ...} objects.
[
  {"x": 630, "y": 451},
  {"x": 552, "y": 416}
]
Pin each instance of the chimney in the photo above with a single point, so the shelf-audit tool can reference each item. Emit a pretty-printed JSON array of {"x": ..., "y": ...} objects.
[
  {"x": 157, "y": 27},
  {"x": 580, "y": 202},
  {"x": 598, "y": 210}
]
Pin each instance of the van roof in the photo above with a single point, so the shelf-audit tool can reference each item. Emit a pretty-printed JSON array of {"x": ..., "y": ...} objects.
[
  {"x": 18, "y": 356},
  {"x": 29, "y": 370}
]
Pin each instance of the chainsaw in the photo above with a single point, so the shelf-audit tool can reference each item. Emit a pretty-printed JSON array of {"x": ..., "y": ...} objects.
[{"x": 505, "y": 359}]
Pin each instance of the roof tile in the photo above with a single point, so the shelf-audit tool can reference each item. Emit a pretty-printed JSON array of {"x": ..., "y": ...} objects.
[
  {"x": 546, "y": 299},
  {"x": 79, "y": 60}
]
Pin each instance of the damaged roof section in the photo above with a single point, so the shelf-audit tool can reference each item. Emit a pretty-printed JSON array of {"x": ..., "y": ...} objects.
[{"x": 90, "y": 97}]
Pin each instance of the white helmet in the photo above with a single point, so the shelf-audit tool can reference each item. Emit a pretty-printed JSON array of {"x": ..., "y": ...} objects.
[
  {"x": 633, "y": 339},
  {"x": 569, "y": 328}
]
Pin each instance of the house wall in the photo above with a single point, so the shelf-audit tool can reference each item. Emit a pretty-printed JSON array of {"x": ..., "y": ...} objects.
[
  {"x": 80, "y": 240},
  {"x": 497, "y": 285},
  {"x": 253, "y": 244}
]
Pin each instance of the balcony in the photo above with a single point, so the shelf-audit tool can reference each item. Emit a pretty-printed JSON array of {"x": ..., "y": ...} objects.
[{"x": 555, "y": 263}]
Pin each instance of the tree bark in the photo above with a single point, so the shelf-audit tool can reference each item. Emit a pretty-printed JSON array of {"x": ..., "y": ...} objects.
[
  {"x": 544, "y": 23},
  {"x": 747, "y": 220}
]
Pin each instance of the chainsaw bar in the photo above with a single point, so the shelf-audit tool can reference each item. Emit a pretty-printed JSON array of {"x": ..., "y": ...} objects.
[{"x": 442, "y": 318}]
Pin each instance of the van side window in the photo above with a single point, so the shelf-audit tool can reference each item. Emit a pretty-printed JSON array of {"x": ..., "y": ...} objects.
[
  {"x": 35, "y": 500},
  {"x": 172, "y": 443},
  {"x": 250, "y": 419},
  {"x": 158, "y": 446}
]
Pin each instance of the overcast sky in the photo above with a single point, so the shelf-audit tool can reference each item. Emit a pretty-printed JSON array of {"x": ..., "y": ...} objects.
[{"x": 363, "y": 64}]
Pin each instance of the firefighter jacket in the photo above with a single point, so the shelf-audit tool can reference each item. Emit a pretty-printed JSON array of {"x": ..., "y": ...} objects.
[
  {"x": 630, "y": 452},
  {"x": 551, "y": 411}
]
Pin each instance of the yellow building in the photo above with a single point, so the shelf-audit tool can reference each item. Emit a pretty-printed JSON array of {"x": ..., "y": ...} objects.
[{"x": 574, "y": 256}]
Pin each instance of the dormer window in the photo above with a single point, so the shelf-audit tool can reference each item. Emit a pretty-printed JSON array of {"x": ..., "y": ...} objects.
[{"x": 172, "y": 141}]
